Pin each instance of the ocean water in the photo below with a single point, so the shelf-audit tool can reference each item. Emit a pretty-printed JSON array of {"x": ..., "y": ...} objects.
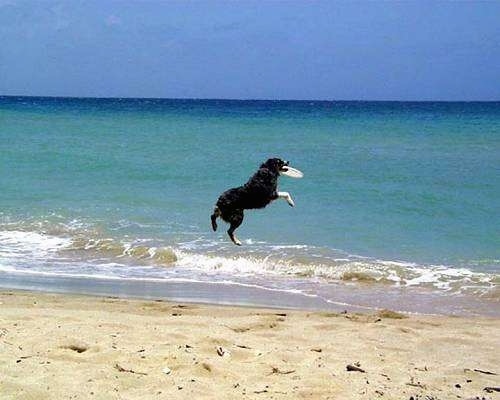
[{"x": 399, "y": 206}]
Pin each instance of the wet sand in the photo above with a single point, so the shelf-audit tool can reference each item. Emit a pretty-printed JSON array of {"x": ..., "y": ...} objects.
[{"x": 61, "y": 346}]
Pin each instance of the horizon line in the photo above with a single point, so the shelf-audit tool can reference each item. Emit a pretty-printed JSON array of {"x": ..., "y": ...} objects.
[{"x": 246, "y": 99}]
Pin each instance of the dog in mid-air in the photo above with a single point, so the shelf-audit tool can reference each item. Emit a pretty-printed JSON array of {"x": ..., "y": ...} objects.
[{"x": 258, "y": 192}]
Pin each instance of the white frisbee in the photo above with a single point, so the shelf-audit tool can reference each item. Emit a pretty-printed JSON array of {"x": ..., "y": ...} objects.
[{"x": 292, "y": 172}]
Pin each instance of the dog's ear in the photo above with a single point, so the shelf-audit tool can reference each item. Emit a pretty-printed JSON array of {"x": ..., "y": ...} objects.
[
  {"x": 267, "y": 164},
  {"x": 274, "y": 164}
]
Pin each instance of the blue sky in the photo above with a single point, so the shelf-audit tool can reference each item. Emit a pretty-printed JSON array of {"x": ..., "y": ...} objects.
[{"x": 342, "y": 50}]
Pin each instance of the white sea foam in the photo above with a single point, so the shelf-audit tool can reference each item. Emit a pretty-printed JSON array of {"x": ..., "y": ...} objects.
[
  {"x": 21, "y": 244},
  {"x": 100, "y": 256},
  {"x": 344, "y": 269}
]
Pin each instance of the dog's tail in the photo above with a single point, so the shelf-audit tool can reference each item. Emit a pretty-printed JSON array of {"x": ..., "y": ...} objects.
[{"x": 214, "y": 217}]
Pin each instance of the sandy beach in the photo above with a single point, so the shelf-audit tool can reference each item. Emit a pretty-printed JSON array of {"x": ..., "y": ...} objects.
[{"x": 81, "y": 347}]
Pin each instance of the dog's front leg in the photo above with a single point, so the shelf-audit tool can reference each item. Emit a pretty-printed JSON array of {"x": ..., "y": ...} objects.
[{"x": 287, "y": 197}]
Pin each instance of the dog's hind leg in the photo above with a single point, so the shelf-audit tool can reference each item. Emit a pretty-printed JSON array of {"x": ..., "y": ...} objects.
[
  {"x": 287, "y": 197},
  {"x": 214, "y": 217},
  {"x": 235, "y": 221}
]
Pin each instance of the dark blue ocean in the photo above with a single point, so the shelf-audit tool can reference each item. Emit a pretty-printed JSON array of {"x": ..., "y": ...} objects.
[{"x": 398, "y": 197}]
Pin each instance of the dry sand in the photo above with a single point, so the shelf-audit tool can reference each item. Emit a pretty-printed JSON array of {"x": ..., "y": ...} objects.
[{"x": 77, "y": 347}]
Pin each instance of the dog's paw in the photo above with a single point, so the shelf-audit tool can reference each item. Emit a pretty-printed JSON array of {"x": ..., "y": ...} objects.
[
  {"x": 236, "y": 241},
  {"x": 290, "y": 202}
]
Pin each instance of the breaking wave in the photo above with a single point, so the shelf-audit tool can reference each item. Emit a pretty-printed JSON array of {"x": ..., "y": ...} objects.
[{"x": 77, "y": 247}]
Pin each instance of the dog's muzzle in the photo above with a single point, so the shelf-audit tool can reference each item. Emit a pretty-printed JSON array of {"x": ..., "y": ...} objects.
[{"x": 284, "y": 167}]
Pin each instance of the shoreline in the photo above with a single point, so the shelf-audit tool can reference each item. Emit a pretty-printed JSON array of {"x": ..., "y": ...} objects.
[
  {"x": 191, "y": 292},
  {"x": 312, "y": 296},
  {"x": 73, "y": 346}
]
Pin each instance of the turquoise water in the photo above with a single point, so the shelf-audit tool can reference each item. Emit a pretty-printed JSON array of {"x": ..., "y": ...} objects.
[{"x": 405, "y": 194}]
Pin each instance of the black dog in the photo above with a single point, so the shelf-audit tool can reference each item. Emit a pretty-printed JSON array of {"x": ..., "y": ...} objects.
[{"x": 258, "y": 192}]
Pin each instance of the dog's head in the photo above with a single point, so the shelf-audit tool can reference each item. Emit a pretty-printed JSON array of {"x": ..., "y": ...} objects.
[{"x": 276, "y": 165}]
